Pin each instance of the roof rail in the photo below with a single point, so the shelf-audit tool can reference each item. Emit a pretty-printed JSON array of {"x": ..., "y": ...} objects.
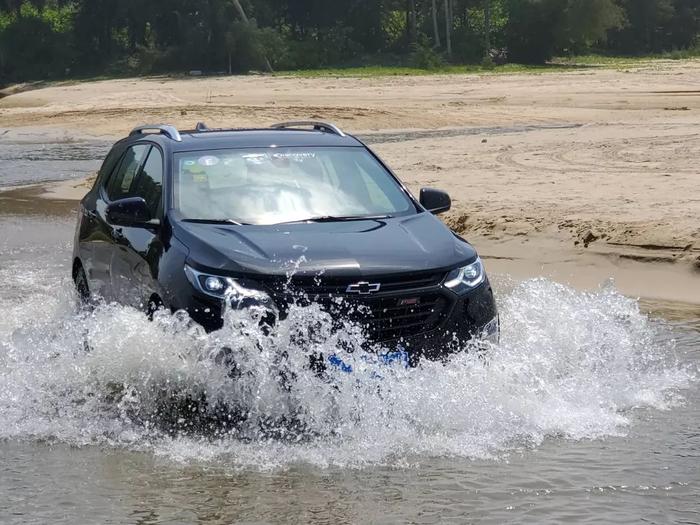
[
  {"x": 316, "y": 124},
  {"x": 164, "y": 129},
  {"x": 202, "y": 127}
]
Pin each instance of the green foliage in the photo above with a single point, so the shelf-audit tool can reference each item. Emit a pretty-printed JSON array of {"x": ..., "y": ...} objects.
[
  {"x": 54, "y": 38},
  {"x": 539, "y": 29},
  {"x": 587, "y": 22},
  {"x": 35, "y": 44},
  {"x": 391, "y": 71},
  {"x": 425, "y": 57},
  {"x": 274, "y": 47},
  {"x": 655, "y": 26},
  {"x": 468, "y": 45},
  {"x": 394, "y": 26}
]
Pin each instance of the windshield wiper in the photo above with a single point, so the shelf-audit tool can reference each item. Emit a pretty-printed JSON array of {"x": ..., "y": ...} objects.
[
  {"x": 217, "y": 221},
  {"x": 337, "y": 218}
]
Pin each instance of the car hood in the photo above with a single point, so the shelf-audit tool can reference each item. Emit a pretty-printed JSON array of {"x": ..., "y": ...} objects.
[{"x": 362, "y": 248}]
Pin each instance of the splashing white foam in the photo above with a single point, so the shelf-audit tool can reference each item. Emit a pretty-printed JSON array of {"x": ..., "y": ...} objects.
[{"x": 569, "y": 365}]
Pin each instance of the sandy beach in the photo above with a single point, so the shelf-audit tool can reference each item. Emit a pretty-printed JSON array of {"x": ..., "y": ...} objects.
[{"x": 581, "y": 176}]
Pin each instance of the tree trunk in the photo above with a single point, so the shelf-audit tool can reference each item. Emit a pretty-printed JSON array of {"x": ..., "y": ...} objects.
[
  {"x": 448, "y": 27},
  {"x": 436, "y": 30},
  {"x": 487, "y": 28},
  {"x": 411, "y": 21},
  {"x": 239, "y": 8},
  {"x": 244, "y": 17}
]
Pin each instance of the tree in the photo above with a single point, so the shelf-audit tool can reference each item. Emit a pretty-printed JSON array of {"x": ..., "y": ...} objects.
[
  {"x": 411, "y": 22},
  {"x": 42, "y": 38},
  {"x": 244, "y": 17},
  {"x": 487, "y": 29},
  {"x": 34, "y": 45},
  {"x": 436, "y": 31},
  {"x": 539, "y": 28},
  {"x": 657, "y": 25},
  {"x": 448, "y": 27},
  {"x": 586, "y": 22}
]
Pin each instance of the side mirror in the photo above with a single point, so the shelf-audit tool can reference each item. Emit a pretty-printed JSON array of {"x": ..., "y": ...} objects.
[
  {"x": 435, "y": 201},
  {"x": 132, "y": 211}
]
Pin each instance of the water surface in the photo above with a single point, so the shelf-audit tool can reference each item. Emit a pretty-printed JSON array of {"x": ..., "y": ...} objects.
[{"x": 588, "y": 409}]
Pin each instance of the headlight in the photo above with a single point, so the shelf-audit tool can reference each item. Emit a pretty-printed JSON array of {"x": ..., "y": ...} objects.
[
  {"x": 467, "y": 277},
  {"x": 228, "y": 288}
]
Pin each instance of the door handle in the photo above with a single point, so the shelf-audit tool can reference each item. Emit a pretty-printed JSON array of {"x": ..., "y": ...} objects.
[{"x": 90, "y": 214}]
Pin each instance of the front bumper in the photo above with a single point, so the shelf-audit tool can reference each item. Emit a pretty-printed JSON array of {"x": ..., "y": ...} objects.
[
  {"x": 472, "y": 315},
  {"x": 454, "y": 319}
]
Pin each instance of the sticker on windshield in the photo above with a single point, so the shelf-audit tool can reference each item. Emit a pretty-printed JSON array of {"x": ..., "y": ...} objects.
[
  {"x": 208, "y": 160},
  {"x": 255, "y": 158},
  {"x": 295, "y": 156}
]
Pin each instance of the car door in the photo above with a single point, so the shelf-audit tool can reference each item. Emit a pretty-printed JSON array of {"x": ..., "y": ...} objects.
[
  {"x": 93, "y": 237},
  {"x": 116, "y": 186},
  {"x": 136, "y": 250}
]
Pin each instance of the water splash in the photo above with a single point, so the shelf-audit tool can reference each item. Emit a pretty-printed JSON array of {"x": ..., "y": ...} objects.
[{"x": 570, "y": 364}]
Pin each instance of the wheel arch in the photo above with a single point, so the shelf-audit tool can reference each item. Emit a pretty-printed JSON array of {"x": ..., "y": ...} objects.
[{"x": 77, "y": 265}]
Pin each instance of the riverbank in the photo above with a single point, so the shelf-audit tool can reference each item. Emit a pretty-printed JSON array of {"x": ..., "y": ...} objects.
[{"x": 578, "y": 175}]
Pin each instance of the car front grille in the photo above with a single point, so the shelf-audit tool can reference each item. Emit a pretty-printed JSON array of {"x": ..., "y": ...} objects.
[
  {"x": 391, "y": 318},
  {"x": 405, "y": 306},
  {"x": 319, "y": 285}
]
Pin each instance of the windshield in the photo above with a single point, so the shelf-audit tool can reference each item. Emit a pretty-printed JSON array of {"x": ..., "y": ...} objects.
[{"x": 277, "y": 185}]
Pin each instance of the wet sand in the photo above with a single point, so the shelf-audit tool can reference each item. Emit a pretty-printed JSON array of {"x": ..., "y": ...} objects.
[{"x": 579, "y": 176}]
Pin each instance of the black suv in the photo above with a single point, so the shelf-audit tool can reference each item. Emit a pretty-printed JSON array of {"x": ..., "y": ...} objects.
[{"x": 296, "y": 212}]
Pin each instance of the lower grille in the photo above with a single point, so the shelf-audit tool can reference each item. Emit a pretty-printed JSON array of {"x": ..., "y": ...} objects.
[{"x": 391, "y": 318}]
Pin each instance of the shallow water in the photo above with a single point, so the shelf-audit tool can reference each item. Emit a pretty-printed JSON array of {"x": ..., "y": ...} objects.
[
  {"x": 29, "y": 157},
  {"x": 588, "y": 410},
  {"x": 36, "y": 156}
]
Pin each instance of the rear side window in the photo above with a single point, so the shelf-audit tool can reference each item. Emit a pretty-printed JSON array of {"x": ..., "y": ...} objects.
[
  {"x": 119, "y": 185},
  {"x": 149, "y": 184}
]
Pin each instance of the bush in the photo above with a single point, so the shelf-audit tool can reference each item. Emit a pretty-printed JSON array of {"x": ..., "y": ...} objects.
[
  {"x": 537, "y": 29},
  {"x": 275, "y": 48},
  {"x": 425, "y": 57},
  {"x": 30, "y": 49},
  {"x": 530, "y": 31},
  {"x": 467, "y": 45},
  {"x": 332, "y": 46}
]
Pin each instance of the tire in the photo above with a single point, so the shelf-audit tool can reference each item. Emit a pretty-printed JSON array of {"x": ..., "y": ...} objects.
[
  {"x": 154, "y": 304},
  {"x": 82, "y": 287}
]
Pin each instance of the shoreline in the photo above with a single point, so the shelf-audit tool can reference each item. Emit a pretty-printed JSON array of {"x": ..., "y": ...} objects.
[
  {"x": 657, "y": 278},
  {"x": 578, "y": 176}
]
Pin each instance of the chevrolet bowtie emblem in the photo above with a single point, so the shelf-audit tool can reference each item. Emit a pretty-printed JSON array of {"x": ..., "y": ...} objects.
[{"x": 363, "y": 288}]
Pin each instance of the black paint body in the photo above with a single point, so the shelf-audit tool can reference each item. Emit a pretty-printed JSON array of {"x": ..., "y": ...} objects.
[{"x": 410, "y": 256}]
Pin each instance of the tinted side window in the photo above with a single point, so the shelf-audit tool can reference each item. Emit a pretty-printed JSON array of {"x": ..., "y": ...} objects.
[
  {"x": 109, "y": 164},
  {"x": 150, "y": 183},
  {"x": 119, "y": 185}
]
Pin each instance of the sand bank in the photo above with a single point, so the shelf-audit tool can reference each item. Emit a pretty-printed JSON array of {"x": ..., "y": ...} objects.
[{"x": 579, "y": 176}]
